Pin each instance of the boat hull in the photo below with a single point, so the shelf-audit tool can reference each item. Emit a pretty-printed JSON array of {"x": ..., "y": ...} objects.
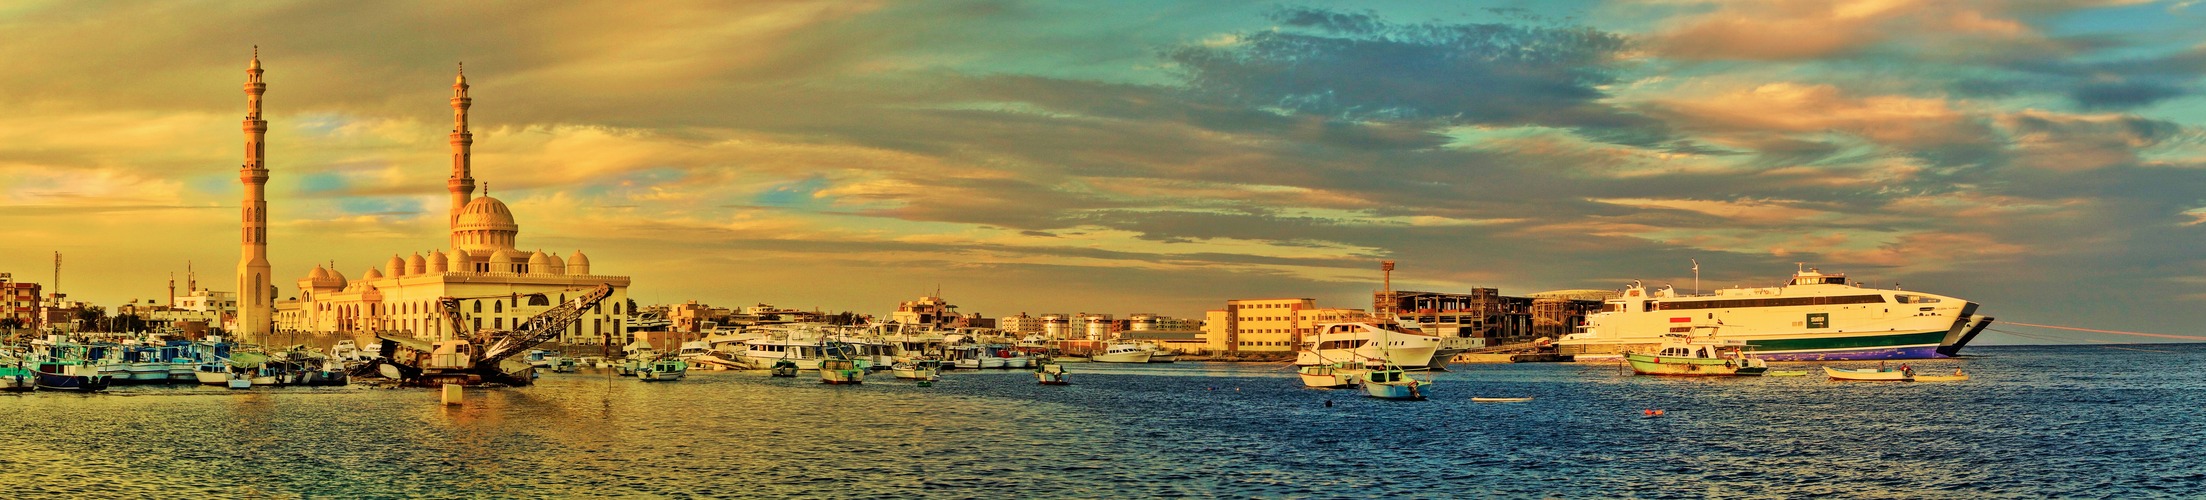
[
  {"x": 1395, "y": 390},
  {"x": 1868, "y": 375},
  {"x": 1690, "y": 367},
  {"x": 1122, "y": 357},
  {"x": 81, "y": 383},
  {"x": 212, "y": 378}
]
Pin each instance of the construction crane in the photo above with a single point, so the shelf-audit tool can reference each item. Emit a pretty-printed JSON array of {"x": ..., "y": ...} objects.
[{"x": 479, "y": 358}]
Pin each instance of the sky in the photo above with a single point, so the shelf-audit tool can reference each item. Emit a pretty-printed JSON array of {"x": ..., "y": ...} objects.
[{"x": 2043, "y": 158}]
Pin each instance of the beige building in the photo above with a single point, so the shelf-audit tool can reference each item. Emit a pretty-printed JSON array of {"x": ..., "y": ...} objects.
[
  {"x": 1020, "y": 325},
  {"x": 498, "y": 285},
  {"x": 1268, "y": 325}
]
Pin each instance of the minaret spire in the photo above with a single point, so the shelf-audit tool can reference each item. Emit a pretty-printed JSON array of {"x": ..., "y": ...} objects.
[
  {"x": 255, "y": 307},
  {"x": 462, "y": 183}
]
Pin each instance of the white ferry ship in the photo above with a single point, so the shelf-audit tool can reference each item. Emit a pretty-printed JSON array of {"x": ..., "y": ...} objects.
[{"x": 1814, "y": 317}]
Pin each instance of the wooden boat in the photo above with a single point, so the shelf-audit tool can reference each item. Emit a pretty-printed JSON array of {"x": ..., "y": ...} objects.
[
  {"x": 1500, "y": 400},
  {"x": 1050, "y": 373},
  {"x": 70, "y": 375},
  {"x": 917, "y": 369},
  {"x": 1957, "y": 376},
  {"x": 1391, "y": 382},
  {"x": 1785, "y": 373},
  {"x": 1869, "y": 374},
  {"x": 1692, "y": 356},
  {"x": 16, "y": 378},
  {"x": 663, "y": 370},
  {"x": 841, "y": 371},
  {"x": 1329, "y": 376},
  {"x": 784, "y": 368}
]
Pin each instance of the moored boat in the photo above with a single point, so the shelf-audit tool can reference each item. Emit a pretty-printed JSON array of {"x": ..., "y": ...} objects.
[
  {"x": 1870, "y": 374},
  {"x": 1122, "y": 353},
  {"x": 1050, "y": 373},
  {"x": 1690, "y": 356},
  {"x": 1390, "y": 382},
  {"x": 918, "y": 369},
  {"x": 70, "y": 375},
  {"x": 784, "y": 368},
  {"x": 18, "y": 378},
  {"x": 841, "y": 372},
  {"x": 1329, "y": 376},
  {"x": 665, "y": 369},
  {"x": 1368, "y": 341}
]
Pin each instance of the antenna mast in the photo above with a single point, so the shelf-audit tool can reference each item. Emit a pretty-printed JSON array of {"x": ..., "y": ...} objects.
[{"x": 1387, "y": 267}]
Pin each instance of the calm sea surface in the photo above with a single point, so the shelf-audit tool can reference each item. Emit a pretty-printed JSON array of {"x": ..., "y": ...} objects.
[{"x": 2077, "y": 421}]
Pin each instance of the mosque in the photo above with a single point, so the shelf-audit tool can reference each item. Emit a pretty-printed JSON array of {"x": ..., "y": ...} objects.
[{"x": 499, "y": 285}]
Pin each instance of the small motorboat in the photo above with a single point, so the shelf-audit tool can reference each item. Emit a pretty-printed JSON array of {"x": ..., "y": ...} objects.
[
  {"x": 1957, "y": 376},
  {"x": 1500, "y": 400},
  {"x": 1390, "y": 382},
  {"x": 1328, "y": 376},
  {"x": 1870, "y": 374},
  {"x": 841, "y": 372},
  {"x": 238, "y": 381},
  {"x": 784, "y": 368},
  {"x": 666, "y": 369},
  {"x": 1687, "y": 355},
  {"x": 1050, "y": 373}
]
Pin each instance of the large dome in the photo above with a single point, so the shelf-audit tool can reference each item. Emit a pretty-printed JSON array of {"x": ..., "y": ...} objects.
[{"x": 485, "y": 213}]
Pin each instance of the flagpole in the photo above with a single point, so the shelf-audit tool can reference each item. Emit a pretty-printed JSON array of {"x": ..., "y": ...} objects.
[{"x": 1696, "y": 276}]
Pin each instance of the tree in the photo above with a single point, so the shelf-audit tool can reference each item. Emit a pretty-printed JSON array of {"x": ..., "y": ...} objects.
[
  {"x": 91, "y": 316},
  {"x": 11, "y": 323}
]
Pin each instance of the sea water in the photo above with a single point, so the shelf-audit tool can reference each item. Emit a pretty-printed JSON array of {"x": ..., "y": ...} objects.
[{"x": 2068, "y": 421}]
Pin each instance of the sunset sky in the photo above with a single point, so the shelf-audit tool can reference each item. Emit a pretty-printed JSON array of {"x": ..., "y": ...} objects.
[{"x": 2044, "y": 158}]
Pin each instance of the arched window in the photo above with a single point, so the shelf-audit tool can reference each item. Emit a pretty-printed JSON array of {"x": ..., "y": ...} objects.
[
  {"x": 478, "y": 307},
  {"x": 498, "y": 307}
]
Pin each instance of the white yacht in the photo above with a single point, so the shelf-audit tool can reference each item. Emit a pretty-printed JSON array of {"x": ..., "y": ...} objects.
[
  {"x": 1121, "y": 352},
  {"x": 1363, "y": 341},
  {"x": 1815, "y": 316},
  {"x": 763, "y": 353}
]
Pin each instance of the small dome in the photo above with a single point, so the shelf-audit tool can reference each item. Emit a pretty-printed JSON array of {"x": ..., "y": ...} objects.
[
  {"x": 372, "y": 274},
  {"x": 438, "y": 263},
  {"x": 396, "y": 266},
  {"x": 557, "y": 266},
  {"x": 416, "y": 265},
  {"x": 318, "y": 274},
  {"x": 485, "y": 213},
  {"x": 461, "y": 262},
  {"x": 578, "y": 264}
]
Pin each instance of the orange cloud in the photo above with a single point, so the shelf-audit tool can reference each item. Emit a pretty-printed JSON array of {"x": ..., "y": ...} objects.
[{"x": 1811, "y": 29}]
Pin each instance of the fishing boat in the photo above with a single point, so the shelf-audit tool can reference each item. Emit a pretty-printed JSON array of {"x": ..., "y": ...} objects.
[
  {"x": 1957, "y": 376},
  {"x": 564, "y": 364},
  {"x": 1121, "y": 352},
  {"x": 1329, "y": 376},
  {"x": 212, "y": 373},
  {"x": 18, "y": 378},
  {"x": 665, "y": 369},
  {"x": 1500, "y": 400},
  {"x": 918, "y": 369},
  {"x": 1391, "y": 382},
  {"x": 784, "y": 368},
  {"x": 1687, "y": 355},
  {"x": 840, "y": 371},
  {"x": 70, "y": 375},
  {"x": 1050, "y": 373},
  {"x": 1368, "y": 341},
  {"x": 236, "y": 380},
  {"x": 1814, "y": 316},
  {"x": 1870, "y": 374}
]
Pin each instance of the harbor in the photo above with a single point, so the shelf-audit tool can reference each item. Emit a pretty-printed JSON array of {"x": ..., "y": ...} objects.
[{"x": 1200, "y": 429}]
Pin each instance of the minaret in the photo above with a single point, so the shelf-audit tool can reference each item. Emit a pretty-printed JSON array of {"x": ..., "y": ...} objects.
[
  {"x": 462, "y": 183},
  {"x": 255, "y": 310}
]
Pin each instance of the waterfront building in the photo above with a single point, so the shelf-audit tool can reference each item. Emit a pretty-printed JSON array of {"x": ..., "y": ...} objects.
[
  {"x": 255, "y": 288},
  {"x": 1021, "y": 325},
  {"x": 1269, "y": 325},
  {"x": 1488, "y": 318},
  {"x": 1094, "y": 326},
  {"x": 693, "y": 317},
  {"x": 928, "y": 311},
  {"x": 498, "y": 286},
  {"x": 19, "y": 303}
]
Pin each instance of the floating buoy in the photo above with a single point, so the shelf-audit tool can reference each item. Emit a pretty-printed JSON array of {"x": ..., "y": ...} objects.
[
  {"x": 1650, "y": 412},
  {"x": 1328, "y": 403}
]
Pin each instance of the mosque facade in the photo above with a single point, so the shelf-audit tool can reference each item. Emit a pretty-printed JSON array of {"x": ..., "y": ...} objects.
[{"x": 499, "y": 286}]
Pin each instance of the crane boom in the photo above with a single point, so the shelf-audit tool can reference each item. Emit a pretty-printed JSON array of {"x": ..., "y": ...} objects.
[{"x": 542, "y": 327}]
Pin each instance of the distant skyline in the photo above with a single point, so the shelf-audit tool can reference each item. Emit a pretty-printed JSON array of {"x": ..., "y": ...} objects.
[{"x": 2044, "y": 158}]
